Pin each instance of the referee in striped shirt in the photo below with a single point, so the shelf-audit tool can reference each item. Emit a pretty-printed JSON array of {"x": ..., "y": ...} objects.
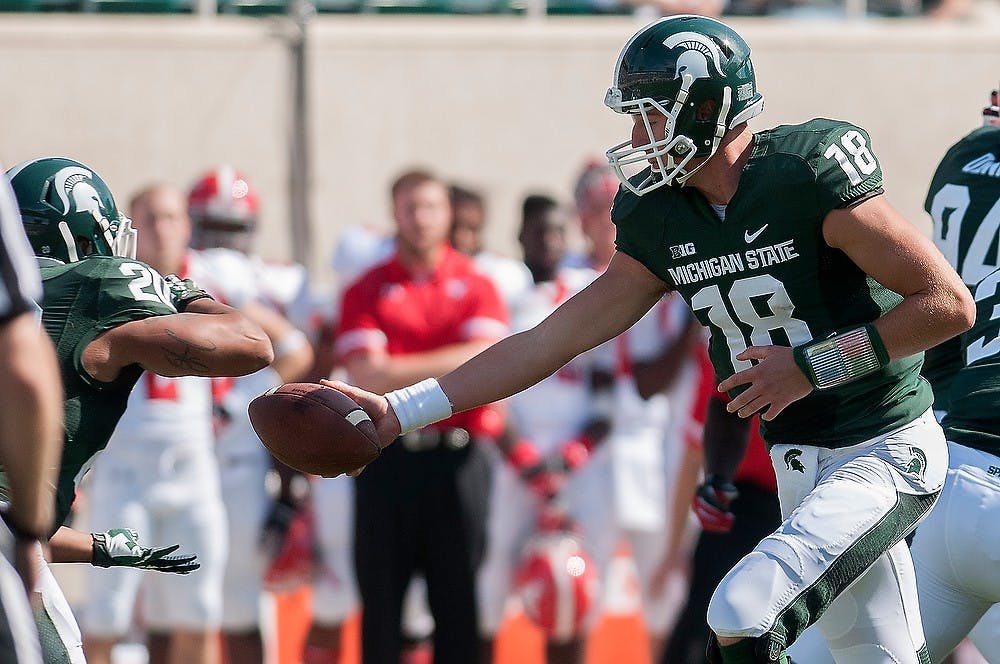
[{"x": 30, "y": 433}]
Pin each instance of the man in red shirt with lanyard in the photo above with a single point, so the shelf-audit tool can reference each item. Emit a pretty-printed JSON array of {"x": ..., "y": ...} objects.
[{"x": 422, "y": 505}]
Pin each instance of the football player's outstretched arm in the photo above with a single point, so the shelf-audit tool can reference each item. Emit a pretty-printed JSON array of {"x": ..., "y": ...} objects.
[
  {"x": 610, "y": 305},
  {"x": 601, "y": 311},
  {"x": 208, "y": 339},
  {"x": 118, "y": 547}
]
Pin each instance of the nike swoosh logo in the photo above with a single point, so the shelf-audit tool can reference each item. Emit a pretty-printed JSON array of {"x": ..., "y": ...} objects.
[{"x": 750, "y": 237}]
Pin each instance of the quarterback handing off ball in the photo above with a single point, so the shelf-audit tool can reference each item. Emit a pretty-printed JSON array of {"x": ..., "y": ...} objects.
[{"x": 314, "y": 429}]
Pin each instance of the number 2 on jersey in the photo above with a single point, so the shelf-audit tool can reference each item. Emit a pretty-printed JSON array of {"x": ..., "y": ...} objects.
[
  {"x": 741, "y": 296},
  {"x": 987, "y": 344},
  {"x": 148, "y": 285}
]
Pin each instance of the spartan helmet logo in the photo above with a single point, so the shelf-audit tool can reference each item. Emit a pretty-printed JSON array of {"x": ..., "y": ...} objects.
[
  {"x": 74, "y": 187},
  {"x": 792, "y": 461},
  {"x": 699, "y": 49},
  {"x": 918, "y": 464}
]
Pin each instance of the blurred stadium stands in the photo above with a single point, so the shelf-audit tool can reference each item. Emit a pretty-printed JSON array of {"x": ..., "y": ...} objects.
[{"x": 265, "y": 7}]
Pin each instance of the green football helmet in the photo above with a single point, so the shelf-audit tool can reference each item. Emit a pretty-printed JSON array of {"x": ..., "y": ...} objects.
[
  {"x": 68, "y": 211},
  {"x": 697, "y": 72}
]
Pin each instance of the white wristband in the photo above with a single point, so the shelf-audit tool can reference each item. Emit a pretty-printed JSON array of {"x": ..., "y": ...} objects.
[
  {"x": 419, "y": 405},
  {"x": 289, "y": 343}
]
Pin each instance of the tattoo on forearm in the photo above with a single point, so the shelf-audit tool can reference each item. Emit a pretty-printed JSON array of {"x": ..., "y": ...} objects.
[{"x": 187, "y": 356}]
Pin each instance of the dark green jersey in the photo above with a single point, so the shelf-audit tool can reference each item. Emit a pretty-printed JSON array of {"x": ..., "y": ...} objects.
[
  {"x": 964, "y": 204},
  {"x": 80, "y": 301},
  {"x": 974, "y": 415},
  {"x": 766, "y": 276}
]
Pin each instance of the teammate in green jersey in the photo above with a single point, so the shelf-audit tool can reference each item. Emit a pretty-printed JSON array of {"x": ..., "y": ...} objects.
[
  {"x": 820, "y": 298},
  {"x": 954, "y": 551},
  {"x": 962, "y": 201},
  {"x": 111, "y": 317}
]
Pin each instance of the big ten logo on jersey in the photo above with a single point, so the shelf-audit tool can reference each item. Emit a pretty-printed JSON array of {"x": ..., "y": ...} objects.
[{"x": 682, "y": 250}]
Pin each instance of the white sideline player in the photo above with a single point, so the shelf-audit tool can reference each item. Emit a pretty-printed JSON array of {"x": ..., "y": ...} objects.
[
  {"x": 159, "y": 475},
  {"x": 224, "y": 209},
  {"x": 546, "y": 417},
  {"x": 468, "y": 224},
  {"x": 335, "y": 594}
]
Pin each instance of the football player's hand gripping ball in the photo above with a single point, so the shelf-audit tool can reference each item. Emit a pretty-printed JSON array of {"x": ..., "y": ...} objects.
[
  {"x": 119, "y": 547},
  {"x": 712, "y": 503}
]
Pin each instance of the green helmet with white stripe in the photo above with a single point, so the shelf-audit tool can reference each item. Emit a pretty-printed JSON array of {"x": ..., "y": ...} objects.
[
  {"x": 68, "y": 211},
  {"x": 694, "y": 70}
]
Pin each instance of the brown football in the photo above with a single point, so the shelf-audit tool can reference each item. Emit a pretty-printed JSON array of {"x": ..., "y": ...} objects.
[{"x": 314, "y": 429}]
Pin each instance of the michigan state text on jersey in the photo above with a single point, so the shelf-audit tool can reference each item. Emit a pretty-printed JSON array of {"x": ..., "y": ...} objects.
[{"x": 764, "y": 274}]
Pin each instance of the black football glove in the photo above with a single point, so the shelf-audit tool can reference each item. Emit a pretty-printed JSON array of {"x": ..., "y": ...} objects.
[{"x": 279, "y": 518}]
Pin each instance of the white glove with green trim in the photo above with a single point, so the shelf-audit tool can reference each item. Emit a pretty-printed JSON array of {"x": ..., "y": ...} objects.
[{"x": 119, "y": 547}]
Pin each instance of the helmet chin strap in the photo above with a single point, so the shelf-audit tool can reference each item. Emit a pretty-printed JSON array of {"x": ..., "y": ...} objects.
[{"x": 67, "y": 236}]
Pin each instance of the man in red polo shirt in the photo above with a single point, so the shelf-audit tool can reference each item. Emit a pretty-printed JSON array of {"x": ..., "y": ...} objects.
[{"x": 422, "y": 505}]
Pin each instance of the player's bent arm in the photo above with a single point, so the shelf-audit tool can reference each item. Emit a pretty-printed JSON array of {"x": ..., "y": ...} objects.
[
  {"x": 936, "y": 304},
  {"x": 380, "y": 372},
  {"x": 30, "y": 441},
  {"x": 209, "y": 339},
  {"x": 608, "y": 306}
]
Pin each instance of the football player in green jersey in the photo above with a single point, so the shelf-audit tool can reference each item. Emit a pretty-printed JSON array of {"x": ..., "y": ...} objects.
[
  {"x": 820, "y": 298},
  {"x": 111, "y": 317},
  {"x": 954, "y": 551},
  {"x": 963, "y": 202}
]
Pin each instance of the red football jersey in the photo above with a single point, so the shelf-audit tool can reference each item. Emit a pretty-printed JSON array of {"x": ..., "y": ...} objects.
[{"x": 388, "y": 309}]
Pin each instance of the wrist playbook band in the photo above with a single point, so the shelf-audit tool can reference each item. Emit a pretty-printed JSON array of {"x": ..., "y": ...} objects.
[
  {"x": 842, "y": 357},
  {"x": 419, "y": 404}
]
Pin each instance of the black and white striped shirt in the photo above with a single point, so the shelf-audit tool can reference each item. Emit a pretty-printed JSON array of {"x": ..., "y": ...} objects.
[{"x": 20, "y": 284}]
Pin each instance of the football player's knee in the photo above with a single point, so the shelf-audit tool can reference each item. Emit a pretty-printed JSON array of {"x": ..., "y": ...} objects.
[{"x": 752, "y": 594}]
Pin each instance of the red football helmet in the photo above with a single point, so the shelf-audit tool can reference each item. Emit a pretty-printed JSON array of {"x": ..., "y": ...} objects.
[
  {"x": 293, "y": 564},
  {"x": 222, "y": 202},
  {"x": 557, "y": 584}
]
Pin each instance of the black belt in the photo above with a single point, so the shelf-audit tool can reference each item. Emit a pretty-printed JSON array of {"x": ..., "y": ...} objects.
[{"x": 425, "y": 440}]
